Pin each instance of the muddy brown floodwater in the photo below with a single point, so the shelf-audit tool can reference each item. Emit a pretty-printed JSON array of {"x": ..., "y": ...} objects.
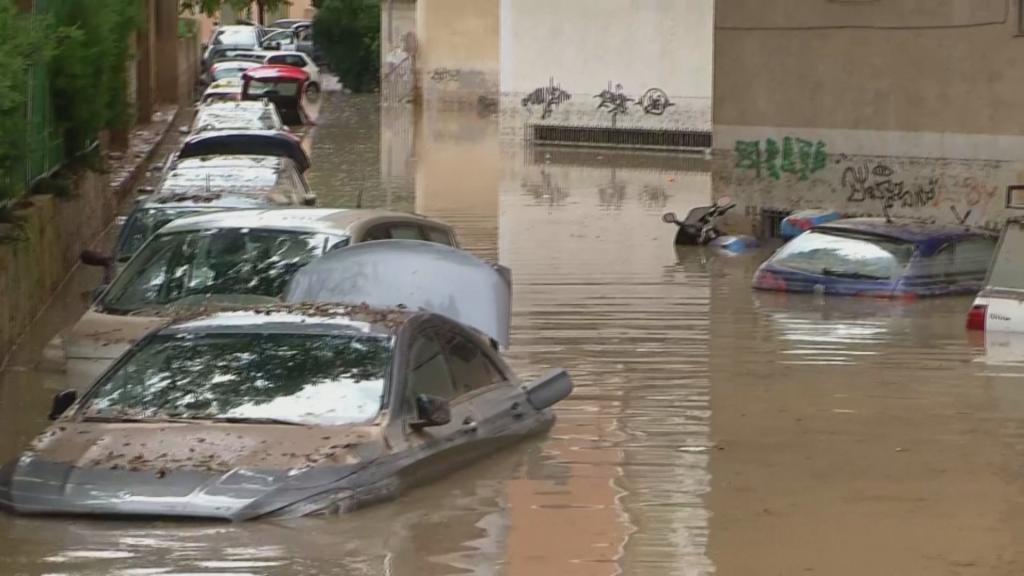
[{"x": 713, "y": 430}]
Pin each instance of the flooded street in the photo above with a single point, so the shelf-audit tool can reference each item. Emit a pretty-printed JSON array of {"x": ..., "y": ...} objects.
[{"x": 713, "y": 430}]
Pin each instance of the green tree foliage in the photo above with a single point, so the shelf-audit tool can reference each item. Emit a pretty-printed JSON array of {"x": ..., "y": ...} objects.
[
  {"x": 89, "y": 75},
  {"x": 211, "y": 7},
  {"x": 27, "y": 41},
  {"x": 347, "y": 32}
]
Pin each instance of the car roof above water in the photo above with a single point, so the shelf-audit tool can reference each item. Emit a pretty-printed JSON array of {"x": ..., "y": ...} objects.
[
  {"x": 318, "y": 220},
  {"x": 912, "y": 231}
]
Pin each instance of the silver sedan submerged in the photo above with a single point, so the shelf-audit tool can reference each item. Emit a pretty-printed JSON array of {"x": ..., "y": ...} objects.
[{"x": 278, "y": 412}]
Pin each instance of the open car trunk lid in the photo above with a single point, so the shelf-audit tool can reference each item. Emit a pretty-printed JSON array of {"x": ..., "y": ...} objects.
[{"x": 416, "y": 275}]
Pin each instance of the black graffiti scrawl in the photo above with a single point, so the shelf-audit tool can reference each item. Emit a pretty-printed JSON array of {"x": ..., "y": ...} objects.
[
  {"x": 614, "y": 102},
  {"x": 549, "y": 97},
  {"x": 655, "y": 102}
]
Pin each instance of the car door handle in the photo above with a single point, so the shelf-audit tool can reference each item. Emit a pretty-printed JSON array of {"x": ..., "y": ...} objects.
[
  {"x": 516, "y": 409},
  {"x": 469, "y": 425}
]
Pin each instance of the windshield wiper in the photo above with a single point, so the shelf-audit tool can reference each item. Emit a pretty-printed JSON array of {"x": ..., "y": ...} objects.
[
  {"x": 849, "y": 274},
  {"x": 130, "y": 419},
  {"x": 253, "y": 420}
]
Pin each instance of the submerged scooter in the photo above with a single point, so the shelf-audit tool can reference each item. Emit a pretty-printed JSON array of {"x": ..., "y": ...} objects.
[{"x": 699, "y": 228}]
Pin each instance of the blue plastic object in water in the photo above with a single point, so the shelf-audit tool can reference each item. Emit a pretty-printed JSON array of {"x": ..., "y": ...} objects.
[{"x": 799, "y": 222}]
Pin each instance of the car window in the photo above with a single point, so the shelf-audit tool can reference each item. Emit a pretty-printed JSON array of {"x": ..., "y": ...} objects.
[
  {"x": 437, "y": 235},
  {"x": 844, "y": 255},
  {"x": 470, "y": 366},
  {"x": 1008, "y": 265},
  {"x": 296, "y": 61},
  {"x": 967, "y": 259},
  {"x": 394, "y": 231},
  {"x": 427, "y": 372},
  {"x": 145, "y": 222},
  {"x": 235, "y": 36},
  {"x": 282, "y": 36}
]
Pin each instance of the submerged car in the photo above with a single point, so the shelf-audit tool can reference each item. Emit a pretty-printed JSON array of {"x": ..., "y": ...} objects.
[
  {"x": 291, "y": 410},
  {"x": 209, "y": 183},
  {"x": 232, "y": 116},
  {"x": 227, "y": 258},
  {"x": 880, "y": 258},
  {"x": 999, "y": 306}
]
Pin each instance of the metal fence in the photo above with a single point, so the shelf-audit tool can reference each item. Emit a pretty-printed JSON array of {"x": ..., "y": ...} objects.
[{"x": 398, "y": 83}]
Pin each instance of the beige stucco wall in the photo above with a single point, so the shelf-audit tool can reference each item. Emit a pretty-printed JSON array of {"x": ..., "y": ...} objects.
[
  {"x": 906, "y": 65},
  {"x": 457, "y": 52}
]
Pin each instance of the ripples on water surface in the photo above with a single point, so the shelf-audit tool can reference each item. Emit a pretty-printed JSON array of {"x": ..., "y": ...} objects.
[{"x": 847, "y": 436}]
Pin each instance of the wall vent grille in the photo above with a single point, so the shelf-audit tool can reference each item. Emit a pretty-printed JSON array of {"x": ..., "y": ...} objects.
[{"x": 599, "y": 136}]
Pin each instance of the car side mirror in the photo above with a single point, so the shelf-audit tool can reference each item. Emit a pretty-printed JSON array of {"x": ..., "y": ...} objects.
[
  {"x": 61, "y": 402},
  {"x": 669, "y": 218},
  {"x": 96, "y": 258},
  {"x": 309, "y": 200},
  {"x": 431, "y": 411}
]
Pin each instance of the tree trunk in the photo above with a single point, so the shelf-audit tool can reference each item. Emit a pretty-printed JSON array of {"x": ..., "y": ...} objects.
[{"x": 261, "y": 13}]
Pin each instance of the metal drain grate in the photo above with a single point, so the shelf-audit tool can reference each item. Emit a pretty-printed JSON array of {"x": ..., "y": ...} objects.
[{"x": 621, "y": 137}]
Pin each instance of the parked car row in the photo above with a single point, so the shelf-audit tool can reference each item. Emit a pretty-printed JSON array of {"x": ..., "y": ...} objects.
[
  {"x": 883, "y": 258},
  {"x": 251, "y": 356}
]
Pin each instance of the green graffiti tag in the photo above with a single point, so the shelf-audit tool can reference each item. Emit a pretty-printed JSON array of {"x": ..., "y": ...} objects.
[{"x": 795, "y": 156}]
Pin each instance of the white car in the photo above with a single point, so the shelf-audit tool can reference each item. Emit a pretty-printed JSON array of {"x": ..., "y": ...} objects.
[
  {"x": 217, "y": 258},
  {"x": 999, "y": 307},
  {"x": 227, "y": 90}
]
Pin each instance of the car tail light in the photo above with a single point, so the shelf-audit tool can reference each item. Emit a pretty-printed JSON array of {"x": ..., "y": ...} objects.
[{"x": 976, "y": 317}]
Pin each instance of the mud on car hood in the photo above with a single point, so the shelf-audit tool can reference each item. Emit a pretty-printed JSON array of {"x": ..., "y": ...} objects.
[
  {"x": 107, "y": 336},
  {"x": 229, "y": 472}
]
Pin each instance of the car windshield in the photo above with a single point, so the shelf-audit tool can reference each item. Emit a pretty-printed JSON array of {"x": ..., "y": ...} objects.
[
  {"x": 276, "y": 88},
  {"x": 144, "y": 223},
  {"x": 235, "y": 37},
  {"x": 1008, "y": 267},
  {"x": 227, "y": 265},
  {"x": 326, "y": 379},
  {"x": 843, "y": 255}
]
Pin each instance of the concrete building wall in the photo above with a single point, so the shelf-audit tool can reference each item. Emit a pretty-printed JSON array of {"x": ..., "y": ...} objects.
[
  {"x": 842, "y": 104},
  {"x": 457, "y": 53},
  {"x": 572, "y": 62}
]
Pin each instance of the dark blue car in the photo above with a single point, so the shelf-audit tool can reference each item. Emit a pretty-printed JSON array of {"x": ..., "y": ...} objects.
[{"x": 880, "y": 258}]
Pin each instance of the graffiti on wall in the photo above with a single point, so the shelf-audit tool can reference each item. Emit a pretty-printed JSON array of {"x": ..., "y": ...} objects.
[
  {"x": 878, "y": 182},
  {"x": 794, "y": 156},
  {"x": 548, "y": 97},
  {"x": 444, "y": 75},
  {"x": 655, "y": 102},
  {"x": 613, "y": 101}
]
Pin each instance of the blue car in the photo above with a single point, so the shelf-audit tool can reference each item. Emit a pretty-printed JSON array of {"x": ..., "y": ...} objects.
[{"x": 880, "y": 258}]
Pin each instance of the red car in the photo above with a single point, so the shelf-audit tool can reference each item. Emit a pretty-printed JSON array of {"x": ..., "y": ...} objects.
[{"x": 282, "y": 85}]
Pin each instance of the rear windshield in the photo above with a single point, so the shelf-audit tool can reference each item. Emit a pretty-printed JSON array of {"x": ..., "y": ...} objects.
[
  {"x": 844, "y": 255},
  {"x": 271, "y": 88},
  {"x": 1008, "y": 267}
]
